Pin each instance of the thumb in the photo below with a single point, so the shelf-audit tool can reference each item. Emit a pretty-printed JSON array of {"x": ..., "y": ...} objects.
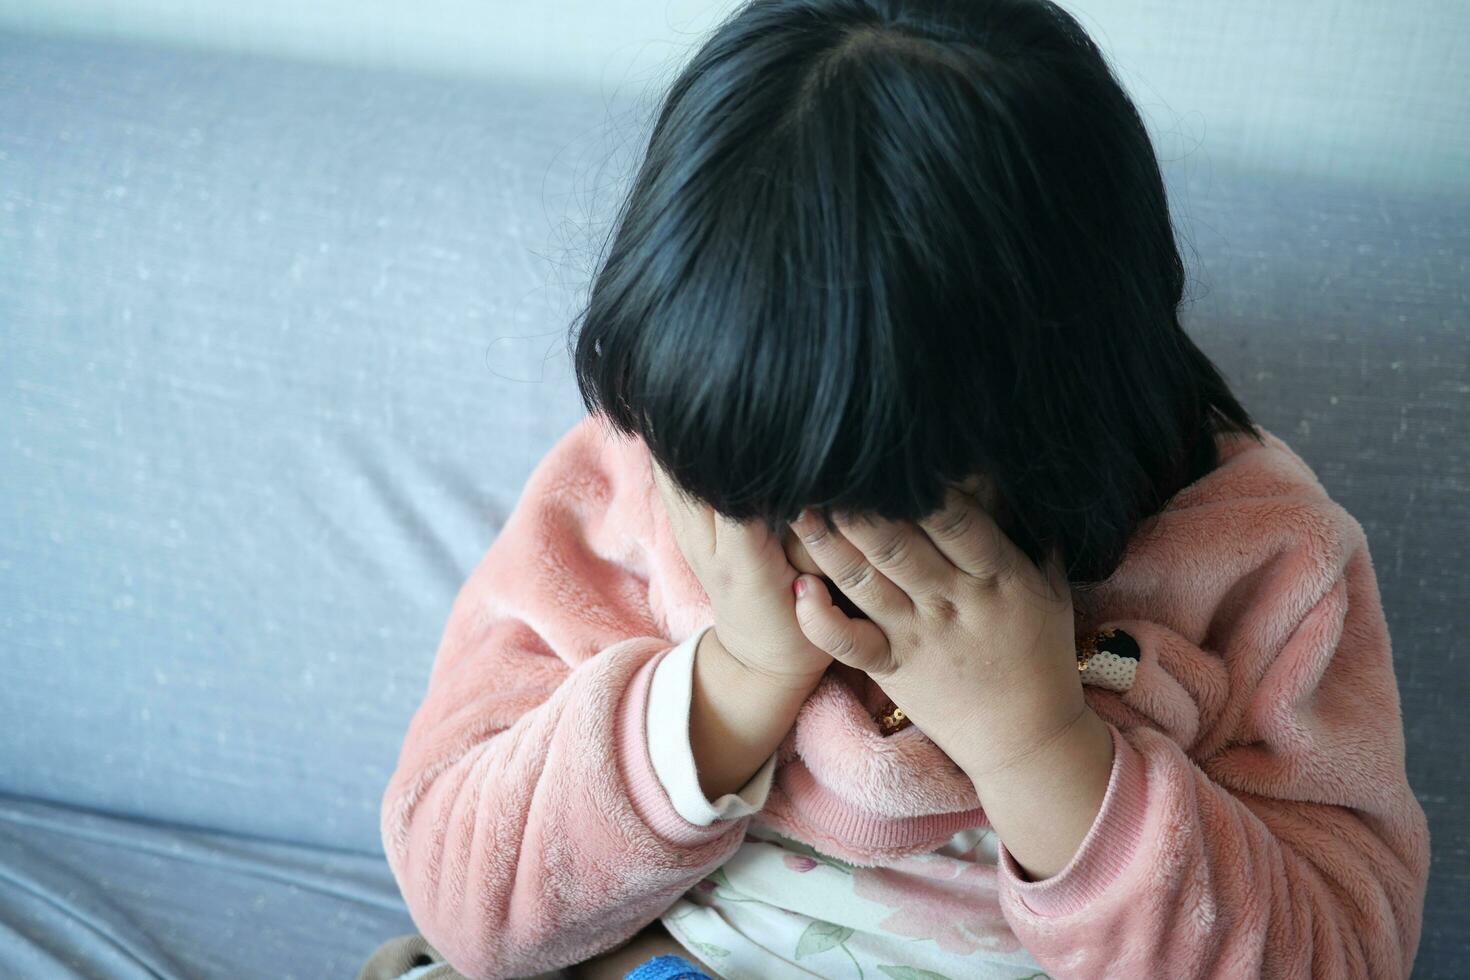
[{"x": 855, "y": 642}]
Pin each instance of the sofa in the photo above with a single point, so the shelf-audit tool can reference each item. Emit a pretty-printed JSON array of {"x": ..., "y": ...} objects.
[{"x": 281, "y": 340}]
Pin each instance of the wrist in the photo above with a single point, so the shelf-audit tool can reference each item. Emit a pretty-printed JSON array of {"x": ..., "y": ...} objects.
[
  {"x": 999, "y": 729},
  {"x": 781, "y": 687},
  {"x": 1044, "y": 804},
  {"x": 737, "y": 717},
  {"x": 1080, "y": 736}
]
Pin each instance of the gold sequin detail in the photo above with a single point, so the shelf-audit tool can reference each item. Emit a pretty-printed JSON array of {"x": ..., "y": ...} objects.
[
  {"x": 1088, "y": 646},
  {"x": 892, "y": 719}
]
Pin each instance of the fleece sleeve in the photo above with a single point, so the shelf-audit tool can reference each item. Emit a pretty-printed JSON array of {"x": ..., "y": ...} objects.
[
  {"x": 669, "y": 747},
  {"x": 1295, "y": 850},
  {"x": 524, "y": 822}
]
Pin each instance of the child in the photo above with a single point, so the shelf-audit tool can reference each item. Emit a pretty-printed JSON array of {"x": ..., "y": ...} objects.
[{"x": 916, "y": 599}]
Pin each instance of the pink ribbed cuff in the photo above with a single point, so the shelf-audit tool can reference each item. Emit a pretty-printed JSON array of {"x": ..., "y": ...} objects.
[
  {"x": 1109, "y": 847},
  {"x": 649, "y": 798},
  {"x": 860, "y": 829}
]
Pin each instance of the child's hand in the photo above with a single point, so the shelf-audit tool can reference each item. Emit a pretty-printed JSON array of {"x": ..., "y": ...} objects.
[
  {"x": 966, "y": 635},
  {"x": 745, "y": 573}
]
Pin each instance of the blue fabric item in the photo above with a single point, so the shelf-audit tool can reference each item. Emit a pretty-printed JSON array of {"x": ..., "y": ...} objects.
[{"x": 669, "y": 966}]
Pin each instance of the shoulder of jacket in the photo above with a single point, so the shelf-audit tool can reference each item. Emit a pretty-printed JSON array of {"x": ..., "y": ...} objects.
[
  {"x": 1252, "y": 470},
  {"x": 1280, "y": 500},
  {"x": 592, "y": 460}
]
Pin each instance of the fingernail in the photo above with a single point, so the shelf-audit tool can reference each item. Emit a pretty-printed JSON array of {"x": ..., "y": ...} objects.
[{"x": 799, "y": 586}]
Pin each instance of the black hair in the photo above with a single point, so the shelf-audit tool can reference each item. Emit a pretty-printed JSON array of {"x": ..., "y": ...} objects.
[{"x": 876, "y": 246}]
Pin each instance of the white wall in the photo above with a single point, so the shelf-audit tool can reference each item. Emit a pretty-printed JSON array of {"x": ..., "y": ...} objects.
[{"x": 1366, "y": 91}]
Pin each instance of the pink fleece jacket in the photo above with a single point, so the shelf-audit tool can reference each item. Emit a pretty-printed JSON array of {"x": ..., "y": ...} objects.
[{"x": 1258, "y": 821}]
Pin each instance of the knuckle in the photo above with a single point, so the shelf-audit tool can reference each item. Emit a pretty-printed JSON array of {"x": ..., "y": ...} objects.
[
  {"x": 815, "y": 536},
  {"x": 890, "y": 551},
  {"x": 955, "y": 523},
  {"x": 854, "y": 576},
  {"x": 998, "y": 568},
  {"x": 840, "y": 645},
  {"x": 944, "y": 609}
]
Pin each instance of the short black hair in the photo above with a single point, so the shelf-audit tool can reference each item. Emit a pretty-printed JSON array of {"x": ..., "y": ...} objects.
[{"x": 875, "y": 246}]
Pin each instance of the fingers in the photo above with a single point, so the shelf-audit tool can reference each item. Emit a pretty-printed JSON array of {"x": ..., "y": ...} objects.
[
  {"x": 749, "y": 544},
  {"x": 685, "y": 516},
  {"x": 969, "y": 537},
  {"x": 698, "y": 525},
  {"x": 855, "y": 642},
  {"x": 903, "y": 553},
  {"x": 849, "y": 568}
]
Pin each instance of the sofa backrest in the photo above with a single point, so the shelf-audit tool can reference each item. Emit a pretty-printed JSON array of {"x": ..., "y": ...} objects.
[{"x": 1369, "y": 92}]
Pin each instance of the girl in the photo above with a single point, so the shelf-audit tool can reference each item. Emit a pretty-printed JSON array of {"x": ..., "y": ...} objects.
[{"x": 916, "y": 599}]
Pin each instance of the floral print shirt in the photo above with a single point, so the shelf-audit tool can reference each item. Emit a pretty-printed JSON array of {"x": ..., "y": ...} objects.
[{"x": 778, "y": 909}]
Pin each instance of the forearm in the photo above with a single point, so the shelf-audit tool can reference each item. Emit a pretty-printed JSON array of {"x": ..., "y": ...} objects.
[
  {"x": 1043, "y": 804},
  {"x": 574, "y": 766},
  {"x": 736, "y": 718},
  {"x": 1313, "y": 889}
]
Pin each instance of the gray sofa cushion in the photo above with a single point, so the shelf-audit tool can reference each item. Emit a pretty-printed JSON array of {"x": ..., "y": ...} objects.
[
  {"x": 282, "y": 342},
  {"x": 92, "y": 895},
  {"x": 275, "y": 368}
]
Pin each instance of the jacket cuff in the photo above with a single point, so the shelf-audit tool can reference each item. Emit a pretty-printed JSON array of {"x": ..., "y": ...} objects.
[
  {"x": 1105, "y": 853},
  {"x": 650, "y": 799},
  {"x": 669, "y": 699}
]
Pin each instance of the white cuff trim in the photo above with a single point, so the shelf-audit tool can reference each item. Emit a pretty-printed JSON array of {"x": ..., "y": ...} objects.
[{"x": 669, "y": 696}]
